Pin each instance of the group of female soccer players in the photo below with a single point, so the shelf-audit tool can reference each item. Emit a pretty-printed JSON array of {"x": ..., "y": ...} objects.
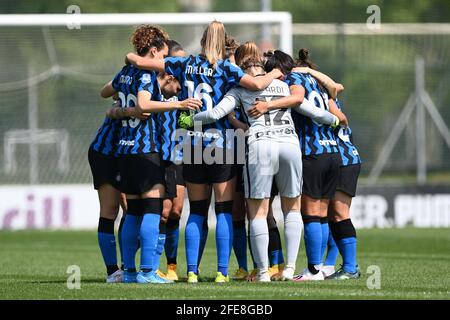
[{"x": 170, "y": 129}]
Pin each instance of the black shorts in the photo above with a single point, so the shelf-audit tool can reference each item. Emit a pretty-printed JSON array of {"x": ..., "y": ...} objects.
[
  {"x": 140, "y": 172},
  {"x": 104, "y": 169},
  {"x": 174, "y": 177},
  {"x": 208, "y": 173},
  {"x": 321, "y": 175},
  {"x": 348, "y": 179},
  {"x": 204, "y": 173}
]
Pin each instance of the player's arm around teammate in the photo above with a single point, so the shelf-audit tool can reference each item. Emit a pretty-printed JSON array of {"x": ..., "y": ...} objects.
[
  {"x": 258, "y": 178},
  {"x": 140, "y": 162},
  {"x": 320, "y": 166}
]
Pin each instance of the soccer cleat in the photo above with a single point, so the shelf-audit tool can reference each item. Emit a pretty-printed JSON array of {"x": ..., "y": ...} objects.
[
  {"x": 129, "y": 277},
  {"x": 172, "y": 272},
  {"x": 308, "y": 276},
  {"x": 341, "y": 274},
  {"x": 263, "y": 276},
  {"x": 287, "y": 273},
  {"x": 240, "y": 274},
  {"x": 161, "y": 274},
  {"x": 192, "y": 277},
  {"x": 151, "y": 277},
  {"x": 116, "y": 277},
  {"x": 252, "y": 276},
  {"x": 220, "y": 278},
  {"x": 163, "y": 278},
  {"x": 275, "y": 272},
  {"x": 327, "y": 271}
]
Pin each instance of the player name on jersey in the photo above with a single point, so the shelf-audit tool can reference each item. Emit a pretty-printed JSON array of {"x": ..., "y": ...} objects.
[
  {"x": 276, "y": 89},
  {"x": 199, "y": 70},
  {"x": 126, "y": 80}
]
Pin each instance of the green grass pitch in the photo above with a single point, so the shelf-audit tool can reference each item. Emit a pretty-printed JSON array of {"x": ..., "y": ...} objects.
[{"x": 414, "y": 264}]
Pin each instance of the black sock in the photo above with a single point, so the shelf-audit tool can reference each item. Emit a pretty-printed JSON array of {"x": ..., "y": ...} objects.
[
  {"x": 111, "y": 269},
  {"x": 312, "y": 269}
]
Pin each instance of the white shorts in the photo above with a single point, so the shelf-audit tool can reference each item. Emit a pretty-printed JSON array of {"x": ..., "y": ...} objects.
[{"x": 269, "y": 159}]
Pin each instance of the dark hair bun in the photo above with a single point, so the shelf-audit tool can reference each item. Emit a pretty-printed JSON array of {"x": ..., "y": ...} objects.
[
  {"x": 268, "y": 54},
  {"x": 303, "y": 54}
]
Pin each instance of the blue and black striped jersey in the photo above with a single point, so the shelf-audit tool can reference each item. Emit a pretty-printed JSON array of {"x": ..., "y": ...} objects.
[
  {"x": 199, "y": 79},
  {"x": 136, "y": 136},
  {"x": 167, "y": 126},
  {"x": 348, "y": 151},
  {"x": 105, "y": 141},
  {"x": 314, "y": 138}
]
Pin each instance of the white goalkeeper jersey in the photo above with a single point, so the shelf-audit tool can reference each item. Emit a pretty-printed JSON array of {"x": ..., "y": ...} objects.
[{"x": 275, "y": 124}]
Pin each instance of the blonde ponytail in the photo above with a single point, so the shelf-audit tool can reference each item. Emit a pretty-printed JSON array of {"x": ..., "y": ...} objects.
[{"x": 213, "y": 42}]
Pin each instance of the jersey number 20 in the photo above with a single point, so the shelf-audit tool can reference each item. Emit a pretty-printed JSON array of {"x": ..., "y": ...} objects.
[{"x": 127, "y": 102}]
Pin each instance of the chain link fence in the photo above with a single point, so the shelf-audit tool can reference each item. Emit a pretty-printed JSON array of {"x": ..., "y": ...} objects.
[{"x": 51, "y": 108}]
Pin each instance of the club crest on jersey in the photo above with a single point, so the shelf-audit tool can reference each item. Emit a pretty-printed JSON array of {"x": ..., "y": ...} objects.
[{"x": 146, "y": 78}]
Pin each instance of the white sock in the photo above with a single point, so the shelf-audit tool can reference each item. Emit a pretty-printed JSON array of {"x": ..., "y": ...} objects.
[
  {"x": 259, "y": 239},
  {"x": 293, "y": 227}
]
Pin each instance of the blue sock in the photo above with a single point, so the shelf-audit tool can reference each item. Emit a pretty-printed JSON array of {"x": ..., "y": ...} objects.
[
  {"x": 276, "y": 257},
  {"x": 224, "y": 235},
  {"x": 240, "y": 243},
  {"x": 224, "y": 241},
  {"x": 130, "y": 233},
  {"x": 149, "y": 234},
  {"x": 332, "y": 252},
  {"x": 107, "y": 243},
  {"x": 325, "y": 233},
  {"x": 203, "y": 238},
  {"x": 347, "y": 247},
  {"x": 159, "y": 246},
  {"x": 275, "y": 249},
  {"x": 344, "y": 234},
  {"x": 313, "y": 240},
  {"x": 192, "y": 236},
  {"x": 172, "y": 236}
]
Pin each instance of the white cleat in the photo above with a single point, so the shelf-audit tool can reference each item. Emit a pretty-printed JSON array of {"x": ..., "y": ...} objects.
[
  {"x": 288, "y": 273},
  {"x": 327, "y": 271},
  {"x": 116, "y": 277},
  {"x": 263, "y": 276},
  {"x": 308, "y": 276}
]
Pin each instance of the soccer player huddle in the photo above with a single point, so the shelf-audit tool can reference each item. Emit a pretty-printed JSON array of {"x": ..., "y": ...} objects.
[{"x": 239, "y": 124}]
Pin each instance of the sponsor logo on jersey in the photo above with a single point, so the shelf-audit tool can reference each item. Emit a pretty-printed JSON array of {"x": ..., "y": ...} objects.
[
  {"x": 126, "y": 142},
  {"x": 272, "y": 132},
  {"x": 206, "y": 134},
  {"x": 328, "y": 142}
]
